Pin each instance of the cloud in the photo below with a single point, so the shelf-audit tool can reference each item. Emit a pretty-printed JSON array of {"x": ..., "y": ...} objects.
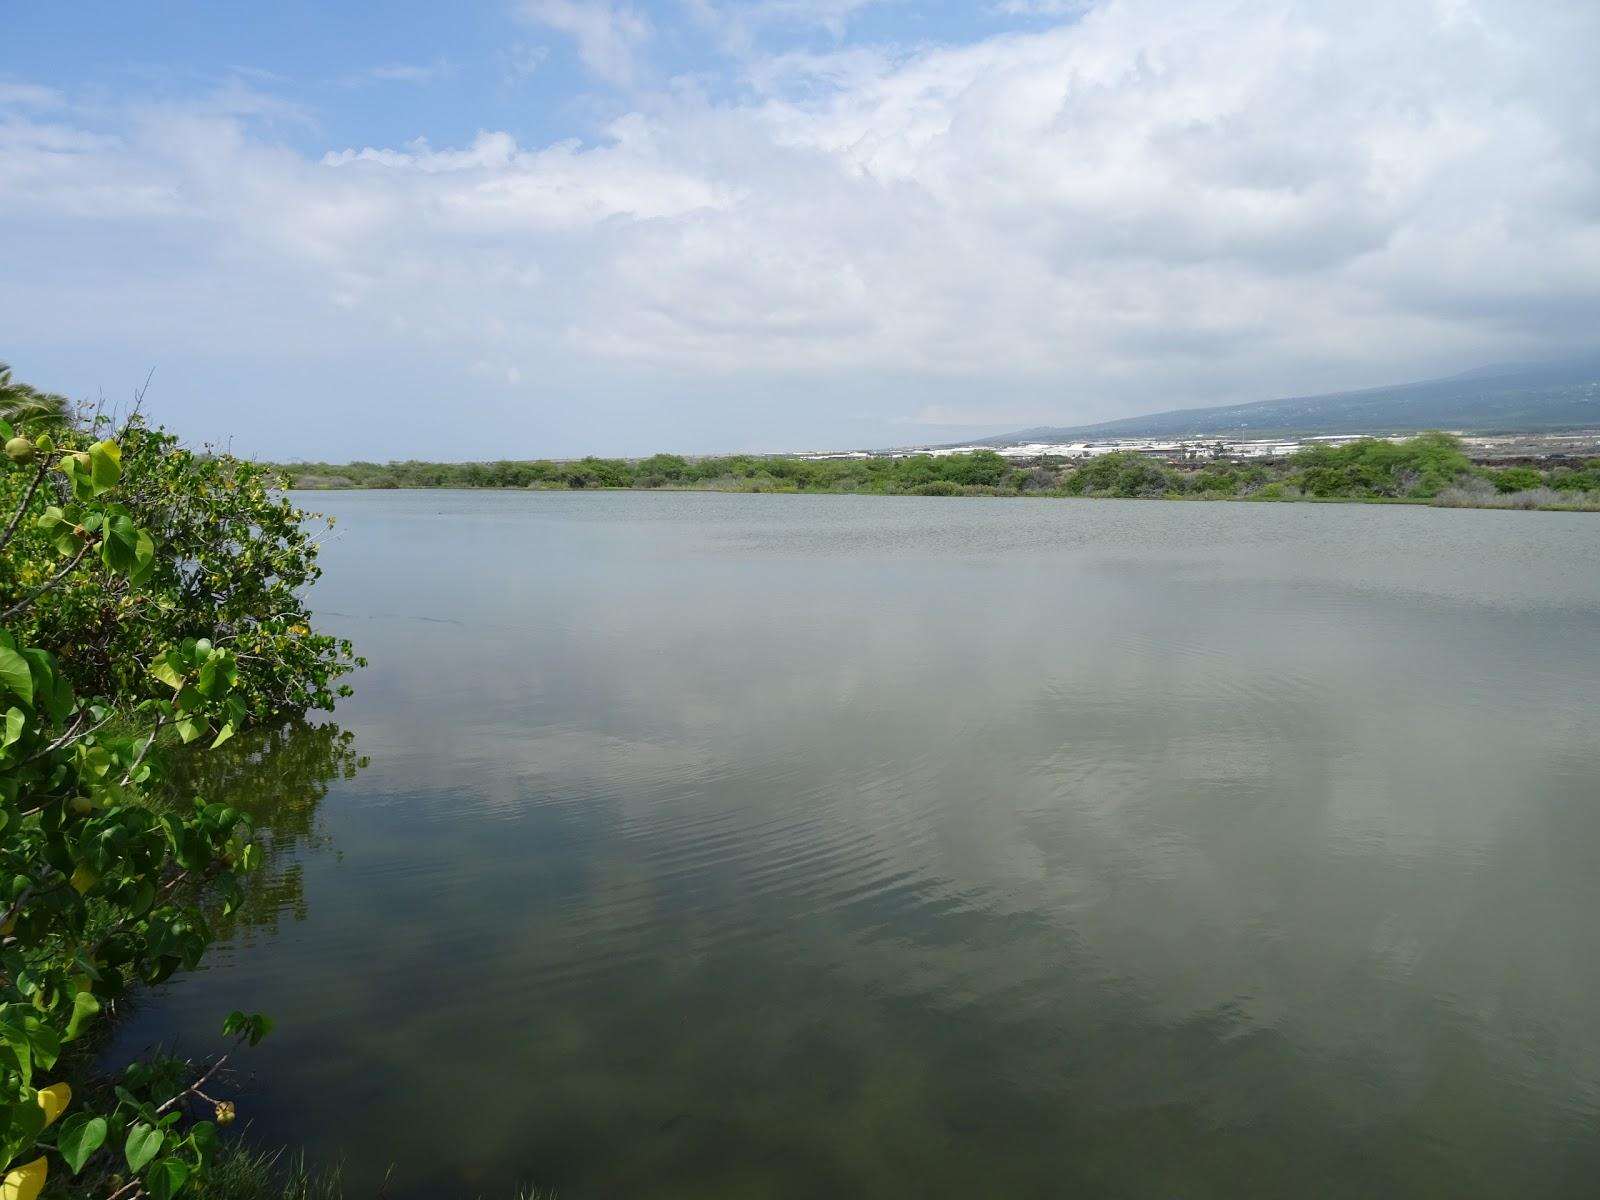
[
  {"x": 739, "y": 25},
  {"x": 418, "y": 73},
  {"x": 609, "y": 35},
  {"x": 235, "y": 97},
  {"x": 28, "y": 96},
  {"x": 1043, "y": 8},
  {"x": 519, "y": 62},
  {"x": 1154, "y": 205}
]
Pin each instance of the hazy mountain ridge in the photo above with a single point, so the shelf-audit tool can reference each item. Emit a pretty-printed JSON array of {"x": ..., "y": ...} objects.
[{"x": 1514, "y": 398}]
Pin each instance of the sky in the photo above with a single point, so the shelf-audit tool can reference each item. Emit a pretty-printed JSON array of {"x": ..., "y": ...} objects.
[{"x": 523, "y": 228}]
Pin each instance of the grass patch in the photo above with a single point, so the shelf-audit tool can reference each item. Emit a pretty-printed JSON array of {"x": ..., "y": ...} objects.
[{"x": 242, "y": 1173}]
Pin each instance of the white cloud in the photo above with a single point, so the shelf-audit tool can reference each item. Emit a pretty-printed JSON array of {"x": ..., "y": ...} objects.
[
  {"x": 738, "y": 24},
  {"x": 1043, "y": 8},
  {"x": 609, "y": 35},
  {"x": 418, "y": 73},
  {"x": 519, "y": 62},
  {"x": 493, "y": 187},
  {"x": 235, "y": 97},
  {"x": 28, "y": 95},
  {"x": 1156, "y": 204}
]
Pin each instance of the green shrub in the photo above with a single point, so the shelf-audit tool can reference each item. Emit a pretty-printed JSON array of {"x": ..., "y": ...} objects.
[
  {"x": 1122, "y": 473},
  {"x": 236, "y": 559},
  {"x": 1565, "y": 479},
  {"x": 1419, "y": 466},
  {"x": 1516, "y": 479},
  {"x": 108, "y": 545}
]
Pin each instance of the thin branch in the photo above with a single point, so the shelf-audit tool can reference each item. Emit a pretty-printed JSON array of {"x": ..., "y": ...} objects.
[
  {"x": 145, "y": 749},
  {"x": 194, "y": 1088},
  {"x": 74, "y": 732},
  {"x": 138, "y": 404},
  {"x": 27, "y": 498},
  {"x": 44, "y": 587},
  {"x": 16, "y": 905},
  {"x": 169, "y": 887},
  {"x": 33, "y": 889}
]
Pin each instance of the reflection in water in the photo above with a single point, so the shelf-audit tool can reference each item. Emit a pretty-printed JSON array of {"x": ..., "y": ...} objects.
[
  {"x": 800, "y": 846},
  {"x": 276, "y": 776}
]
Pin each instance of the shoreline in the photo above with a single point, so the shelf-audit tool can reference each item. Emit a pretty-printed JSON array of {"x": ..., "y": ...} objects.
[
  {"x": 1430, "y": 468},
  {"x": 995, "y": 494}
]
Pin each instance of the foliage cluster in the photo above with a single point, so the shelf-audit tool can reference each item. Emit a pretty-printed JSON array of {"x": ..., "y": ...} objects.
[
  {"x": 739, "y": 472},
  {"x": 144, "y": 590},
  {"x": 236, "y": 558},
  {"x": 1418, "y": 468},
  {"x": 1122, "y": 474}
]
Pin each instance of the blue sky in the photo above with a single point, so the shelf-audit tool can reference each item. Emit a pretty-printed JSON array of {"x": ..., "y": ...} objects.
[{"x": 556, "y": 227}]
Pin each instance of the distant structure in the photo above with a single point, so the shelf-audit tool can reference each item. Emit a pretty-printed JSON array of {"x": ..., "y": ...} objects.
[
  {"x": 1188, "y": 449},
  {"x": 1577, "y": 444}
]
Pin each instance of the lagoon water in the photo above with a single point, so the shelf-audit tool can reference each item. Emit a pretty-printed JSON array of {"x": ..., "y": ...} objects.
[{"x": 781, "y": 846}]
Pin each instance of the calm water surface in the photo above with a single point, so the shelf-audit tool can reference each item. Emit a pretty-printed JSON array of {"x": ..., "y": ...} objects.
[{"x": 753, "y": 846}]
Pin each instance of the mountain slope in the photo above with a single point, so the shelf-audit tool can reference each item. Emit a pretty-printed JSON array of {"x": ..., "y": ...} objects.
[{"x": 1508, "y": 399}]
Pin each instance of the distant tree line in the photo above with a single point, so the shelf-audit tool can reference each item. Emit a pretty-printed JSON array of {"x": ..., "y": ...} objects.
[{"x": 1428, "y": 467}]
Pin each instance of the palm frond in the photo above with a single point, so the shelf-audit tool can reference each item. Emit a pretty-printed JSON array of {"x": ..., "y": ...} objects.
[{"x": 23, "y": 403}]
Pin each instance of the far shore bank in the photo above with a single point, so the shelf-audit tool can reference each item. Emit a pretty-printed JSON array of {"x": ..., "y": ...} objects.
[{"x": 1429, "y": 469}]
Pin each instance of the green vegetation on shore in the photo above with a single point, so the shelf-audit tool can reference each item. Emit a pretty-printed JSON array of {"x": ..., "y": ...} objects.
[
  {"x": 151, "y": 607},
  {"x": 1430, "y": 467}
]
